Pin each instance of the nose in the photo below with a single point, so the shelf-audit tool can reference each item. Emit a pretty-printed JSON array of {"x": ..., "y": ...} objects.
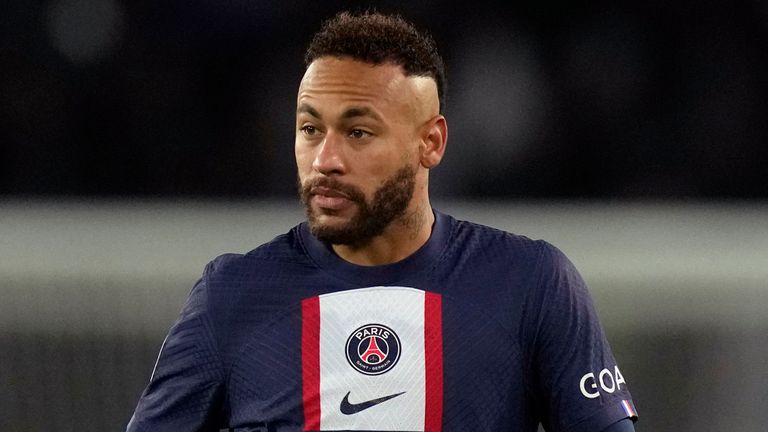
[{"x": 329, "y": 158}]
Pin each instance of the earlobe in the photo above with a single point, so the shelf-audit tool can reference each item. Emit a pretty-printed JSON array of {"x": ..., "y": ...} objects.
[{"x": 433, "y": 142}]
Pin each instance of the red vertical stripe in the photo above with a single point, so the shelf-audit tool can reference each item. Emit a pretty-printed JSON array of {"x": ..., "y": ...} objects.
[
  {"x": 433, "y": 357},
  {"x": 310, "y": 362}
]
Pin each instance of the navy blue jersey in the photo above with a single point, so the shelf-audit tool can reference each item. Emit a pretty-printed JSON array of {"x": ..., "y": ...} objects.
[{"x": 479, "y": 330}]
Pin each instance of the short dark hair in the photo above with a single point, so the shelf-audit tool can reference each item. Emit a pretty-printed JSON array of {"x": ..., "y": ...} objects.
[{"x": 375, "y": 38}]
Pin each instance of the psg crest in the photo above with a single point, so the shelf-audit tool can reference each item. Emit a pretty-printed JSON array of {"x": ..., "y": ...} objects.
[{"x": 373, "y": 349}]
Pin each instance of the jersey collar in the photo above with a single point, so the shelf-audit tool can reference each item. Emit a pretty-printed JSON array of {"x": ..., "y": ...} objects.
[{"x": 418, "y": 263}]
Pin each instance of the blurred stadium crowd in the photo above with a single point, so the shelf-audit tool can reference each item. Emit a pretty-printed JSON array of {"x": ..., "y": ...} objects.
[{"x": 546, "y": 99}]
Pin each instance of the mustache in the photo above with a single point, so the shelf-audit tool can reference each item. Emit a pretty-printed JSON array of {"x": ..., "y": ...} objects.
[{"x": 351, "y": 192}]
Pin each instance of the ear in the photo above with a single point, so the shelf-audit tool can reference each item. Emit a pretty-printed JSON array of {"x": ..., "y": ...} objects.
[{"x": 433, "y": 140}]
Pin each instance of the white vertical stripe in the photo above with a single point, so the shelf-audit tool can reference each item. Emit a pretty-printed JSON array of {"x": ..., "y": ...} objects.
[
  {"x": 402, "y": 310},
  {"x": 157, "y": 360}
]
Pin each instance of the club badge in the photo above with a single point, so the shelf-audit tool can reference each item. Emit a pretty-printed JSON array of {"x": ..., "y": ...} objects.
[{"x": 373, "y": 349}]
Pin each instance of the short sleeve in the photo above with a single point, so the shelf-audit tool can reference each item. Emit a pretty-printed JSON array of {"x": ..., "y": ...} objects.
[
  {"x": 578, "y": 385},
  {"x": 185, "y": 389}
]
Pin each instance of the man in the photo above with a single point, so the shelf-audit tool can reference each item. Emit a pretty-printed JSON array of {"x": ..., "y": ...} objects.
[{"x": 380, "y": 313}]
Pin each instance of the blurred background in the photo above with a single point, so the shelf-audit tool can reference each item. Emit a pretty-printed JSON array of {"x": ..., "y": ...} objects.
[{"x": 140, "y": 139}]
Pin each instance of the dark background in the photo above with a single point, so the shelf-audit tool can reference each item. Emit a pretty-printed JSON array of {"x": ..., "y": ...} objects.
[
  {"x": 139, "y": 139},
  {"x": 640, "y": 99}
]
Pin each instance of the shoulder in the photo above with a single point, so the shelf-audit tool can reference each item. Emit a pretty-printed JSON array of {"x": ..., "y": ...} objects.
[
  {"x": 284, "y": 250},
  {"x": 533, "y": 266},
  {"x": 234, "y": 277},
  {"x": 285, "y": 247},
  {"x": 495, "y": 243},
  {"x": 250, "y": 285}
]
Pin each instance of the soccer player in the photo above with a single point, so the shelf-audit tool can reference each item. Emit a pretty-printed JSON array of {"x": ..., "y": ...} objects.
[{"x": 381, "y": 313}]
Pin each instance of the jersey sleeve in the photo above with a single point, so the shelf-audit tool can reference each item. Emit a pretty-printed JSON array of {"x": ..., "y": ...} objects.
[
  {"x": 186, "y": 386},
  {"x": 578, "y": 385}
]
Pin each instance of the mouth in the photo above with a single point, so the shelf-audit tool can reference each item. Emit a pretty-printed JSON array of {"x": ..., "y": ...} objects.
[
  {"x": 329, "y": 199},
  {"x": 327, "y": 192}
]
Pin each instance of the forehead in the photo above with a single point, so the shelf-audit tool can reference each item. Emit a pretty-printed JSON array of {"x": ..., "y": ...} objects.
[{"x": 346, "y": 80}]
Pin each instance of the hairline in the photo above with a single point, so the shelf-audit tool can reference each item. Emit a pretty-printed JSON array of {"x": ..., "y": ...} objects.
[{"x": 386, "y": 62}]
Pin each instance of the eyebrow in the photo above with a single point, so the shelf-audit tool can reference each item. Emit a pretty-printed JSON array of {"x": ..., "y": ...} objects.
[
  {"x": 306, "y": 108},
  {"x": 360, "y": 112},
  {"x": 349, "y": 113}
]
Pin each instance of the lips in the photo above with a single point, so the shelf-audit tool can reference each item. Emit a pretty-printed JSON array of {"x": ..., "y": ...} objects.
[
  {"x": 328, "y": 198},
  {"x": 328, "y": 192}
]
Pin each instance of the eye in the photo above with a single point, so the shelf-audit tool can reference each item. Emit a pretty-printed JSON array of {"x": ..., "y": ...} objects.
[
  {"x": 359, "y": 134},
  {"x": 308, "y": 130}
]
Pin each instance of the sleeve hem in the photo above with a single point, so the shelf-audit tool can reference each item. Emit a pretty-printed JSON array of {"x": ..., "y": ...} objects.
[{"x": 618, "y": 410}]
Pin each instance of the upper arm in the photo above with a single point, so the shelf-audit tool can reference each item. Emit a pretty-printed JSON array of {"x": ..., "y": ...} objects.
[
  {"x": 186, "y": 386},
  {"x": 578, "y": 384}
]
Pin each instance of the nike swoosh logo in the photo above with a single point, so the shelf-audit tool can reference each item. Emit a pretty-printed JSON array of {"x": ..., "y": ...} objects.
[{"x": 350, "y": 408}]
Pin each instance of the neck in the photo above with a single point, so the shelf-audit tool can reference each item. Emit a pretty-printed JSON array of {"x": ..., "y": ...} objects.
[{"x": 400, "y": 239}]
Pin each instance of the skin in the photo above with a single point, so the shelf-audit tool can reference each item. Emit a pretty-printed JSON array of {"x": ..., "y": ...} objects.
[{"x": 360, "y": 124}]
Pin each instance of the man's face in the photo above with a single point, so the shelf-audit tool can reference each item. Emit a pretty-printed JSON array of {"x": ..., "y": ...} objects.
[{"x": 357, "y": 140}]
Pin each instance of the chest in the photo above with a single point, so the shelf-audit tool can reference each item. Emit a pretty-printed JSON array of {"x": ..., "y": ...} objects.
[{"x": 380, "y": 358}]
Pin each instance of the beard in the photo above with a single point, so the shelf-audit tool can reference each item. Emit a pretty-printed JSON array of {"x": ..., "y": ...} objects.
[{"x": 388, "y": 204}]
